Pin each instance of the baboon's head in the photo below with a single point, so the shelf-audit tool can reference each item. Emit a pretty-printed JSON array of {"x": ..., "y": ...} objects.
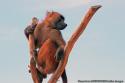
[{"x": 56, "y": 20}]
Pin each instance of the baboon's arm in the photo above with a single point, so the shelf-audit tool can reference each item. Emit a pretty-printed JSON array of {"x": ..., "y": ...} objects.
[{"x": 31, "y": 45}]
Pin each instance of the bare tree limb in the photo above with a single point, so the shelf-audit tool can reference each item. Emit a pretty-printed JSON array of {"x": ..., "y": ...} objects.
[{"x": 71, "y": 43}]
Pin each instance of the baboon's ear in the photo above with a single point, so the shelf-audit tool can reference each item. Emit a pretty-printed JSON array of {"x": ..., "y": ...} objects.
[{"x": 48, "y": 14}]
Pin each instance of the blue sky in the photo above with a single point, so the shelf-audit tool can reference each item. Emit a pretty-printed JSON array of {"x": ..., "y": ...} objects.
[{"x": 98, "y": 54}]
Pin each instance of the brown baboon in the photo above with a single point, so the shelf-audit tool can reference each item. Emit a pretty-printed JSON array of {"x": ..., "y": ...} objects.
[{"x": 48, "y": 38}]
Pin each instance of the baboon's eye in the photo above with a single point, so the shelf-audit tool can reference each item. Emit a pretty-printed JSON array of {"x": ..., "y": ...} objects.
[
  {"x": 59, "y": 20},
  {"x": 62, "y": 17}
]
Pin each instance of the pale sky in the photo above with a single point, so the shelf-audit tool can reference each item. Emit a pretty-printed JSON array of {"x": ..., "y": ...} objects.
[{"x": 99, "y": 54}]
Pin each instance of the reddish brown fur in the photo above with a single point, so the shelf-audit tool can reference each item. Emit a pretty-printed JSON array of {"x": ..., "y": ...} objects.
[
  {"x": 48, "y": 40},
  {"x": 46, "y": 56},
  {"x": 47, "y": 47}
]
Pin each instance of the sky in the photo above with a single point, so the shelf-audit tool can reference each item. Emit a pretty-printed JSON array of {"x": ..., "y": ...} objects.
[{"x": 99, "y": 54}]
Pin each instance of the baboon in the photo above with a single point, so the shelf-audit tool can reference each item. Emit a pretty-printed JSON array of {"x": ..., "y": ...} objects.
[{"x": 48, "y": 39}]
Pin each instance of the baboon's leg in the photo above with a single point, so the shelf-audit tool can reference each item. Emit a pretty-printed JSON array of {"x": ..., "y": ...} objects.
[
  {"x": 40, "y": 75},
  {"x": 64, "y": 77},
  {"x": 34, "y": 72}
]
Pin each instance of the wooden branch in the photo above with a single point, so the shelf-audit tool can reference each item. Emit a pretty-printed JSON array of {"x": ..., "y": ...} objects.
[{"x": 71, "y": 43}]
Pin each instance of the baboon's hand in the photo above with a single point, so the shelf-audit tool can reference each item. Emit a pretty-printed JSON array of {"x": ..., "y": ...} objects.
[{"x": 59, "y": 54}]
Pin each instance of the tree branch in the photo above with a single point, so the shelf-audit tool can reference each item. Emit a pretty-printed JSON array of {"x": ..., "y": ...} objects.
[{"x": 71, "y": 43}]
